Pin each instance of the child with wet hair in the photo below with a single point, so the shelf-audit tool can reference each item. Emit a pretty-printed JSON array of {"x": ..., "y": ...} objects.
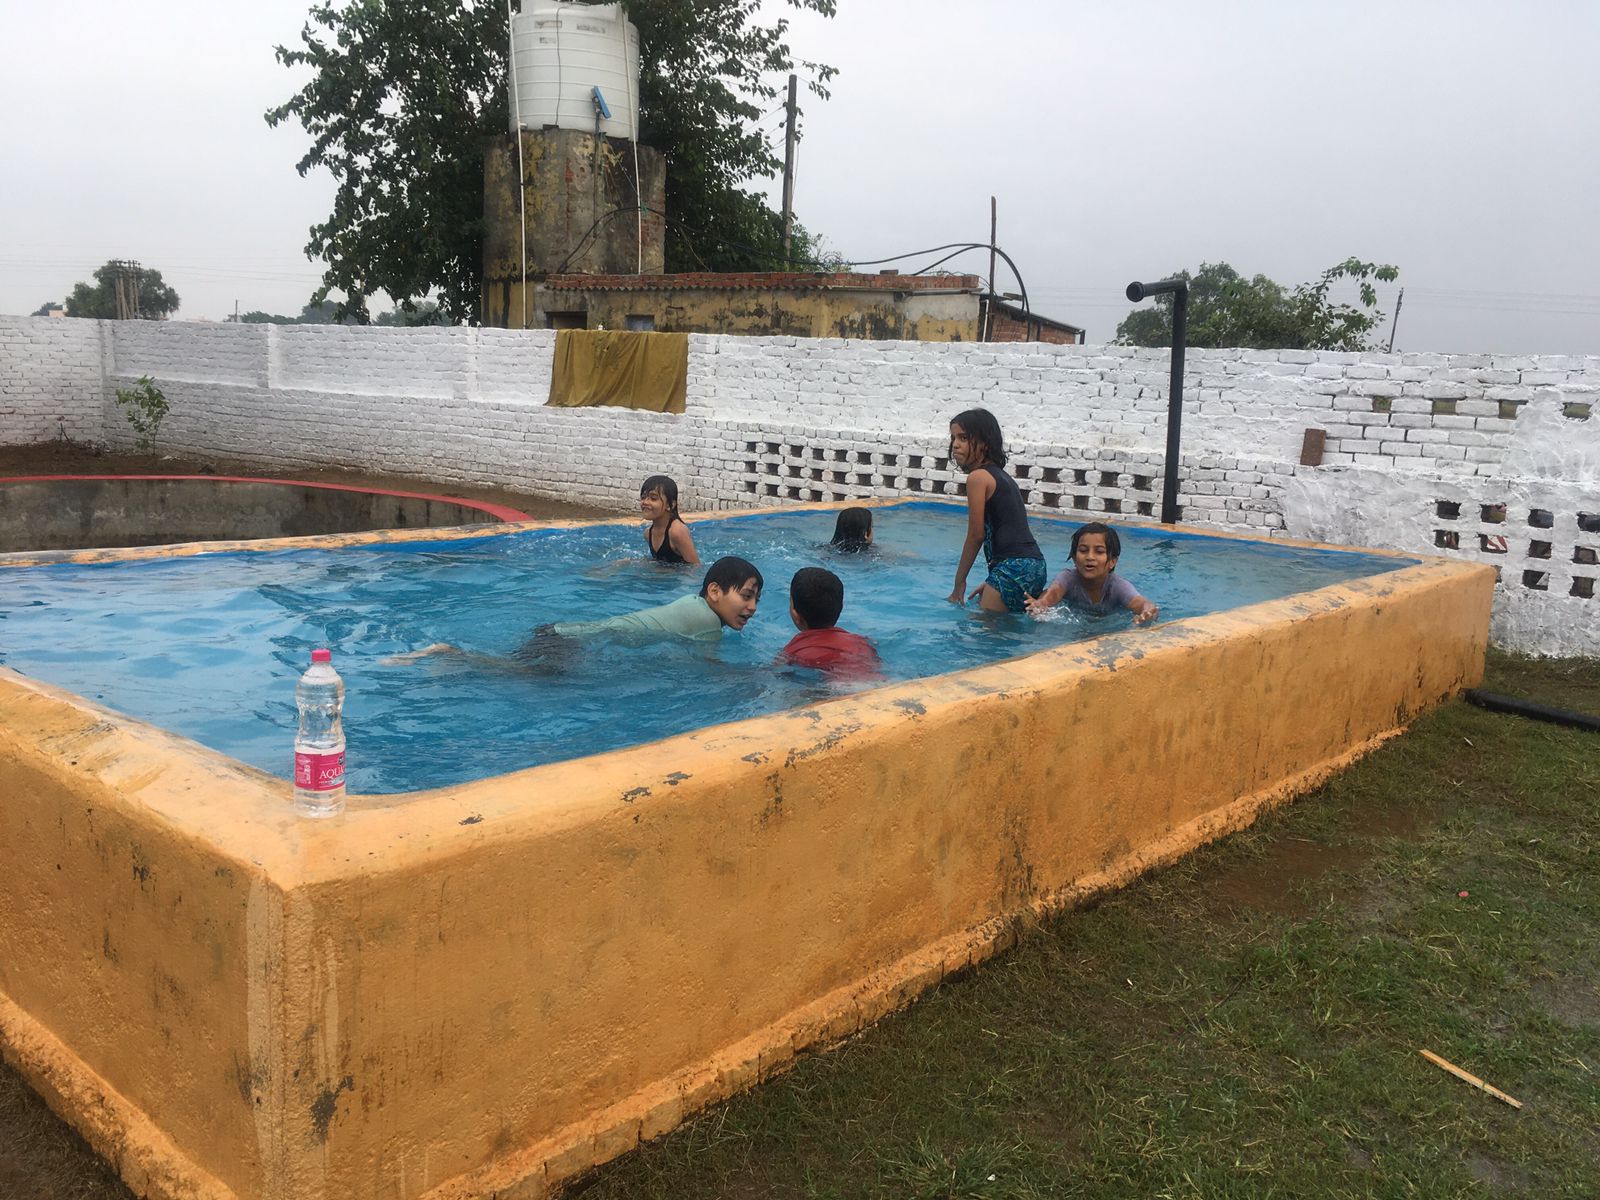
[
  {"x": 852, "y": 532},
  {"x": 1091, "y": 585},
  {"x": 816, "y": 598},
  {"x": 997, "y": 519},
  {"x": 727, "y": 600},
  {"x": 667, "y": 535}
]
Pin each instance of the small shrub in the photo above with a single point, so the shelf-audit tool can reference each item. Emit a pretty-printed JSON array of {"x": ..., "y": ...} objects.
[{"x": 144, "y": 406}]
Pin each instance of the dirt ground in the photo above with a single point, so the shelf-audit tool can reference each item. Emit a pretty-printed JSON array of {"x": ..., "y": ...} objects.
[{"x": 69, "y": 458}]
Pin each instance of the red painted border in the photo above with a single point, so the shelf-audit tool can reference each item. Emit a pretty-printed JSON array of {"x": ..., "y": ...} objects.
[{"x": 499, "y": 511}]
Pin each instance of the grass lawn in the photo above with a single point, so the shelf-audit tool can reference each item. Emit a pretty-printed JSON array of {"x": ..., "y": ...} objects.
[{"x": 1243, "y": 1024}]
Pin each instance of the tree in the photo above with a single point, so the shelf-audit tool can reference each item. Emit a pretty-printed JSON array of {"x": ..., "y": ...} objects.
[
  {"x": 404, "y": 93},
  {"x": 323, "y": 312},
  {"x": 143, "y": 293},
  {"x": 426, "y": 313},
  {"x": 44, "y": 309},
  {"x": 1225, "y": 309},
  {"x": 256, "y": 317}
]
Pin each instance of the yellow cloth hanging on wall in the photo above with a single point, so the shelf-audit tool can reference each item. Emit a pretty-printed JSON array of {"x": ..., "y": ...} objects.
[{"x": 622, "y": 369}]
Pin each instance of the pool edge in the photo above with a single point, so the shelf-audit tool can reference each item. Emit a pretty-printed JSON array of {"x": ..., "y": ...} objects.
[{"x": 315, "y": 874}]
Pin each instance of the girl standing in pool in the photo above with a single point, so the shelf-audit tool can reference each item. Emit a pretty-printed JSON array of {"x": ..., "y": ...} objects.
[{"x": 997, "y": 520}]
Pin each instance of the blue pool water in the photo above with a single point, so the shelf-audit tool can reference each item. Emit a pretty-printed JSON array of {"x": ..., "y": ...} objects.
[{"x": 210, "y": 646}]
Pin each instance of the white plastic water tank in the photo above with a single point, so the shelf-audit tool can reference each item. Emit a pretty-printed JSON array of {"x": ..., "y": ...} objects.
[{"x": 561, "y": 52}]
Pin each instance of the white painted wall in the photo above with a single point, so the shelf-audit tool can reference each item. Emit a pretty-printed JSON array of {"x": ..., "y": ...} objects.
[
  {"x": 51, "y": 381},
  {"x": 773, "y": 419}
]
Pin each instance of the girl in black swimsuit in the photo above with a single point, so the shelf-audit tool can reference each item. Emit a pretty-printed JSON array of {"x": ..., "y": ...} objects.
[{"x": 667, "y": 535}]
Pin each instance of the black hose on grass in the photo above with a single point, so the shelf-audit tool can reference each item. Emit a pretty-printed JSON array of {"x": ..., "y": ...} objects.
[{"x": 1495, "y": 702}]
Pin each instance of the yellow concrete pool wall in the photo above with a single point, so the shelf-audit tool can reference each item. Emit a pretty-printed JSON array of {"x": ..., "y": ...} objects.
[{"x": 486, "y": 989}]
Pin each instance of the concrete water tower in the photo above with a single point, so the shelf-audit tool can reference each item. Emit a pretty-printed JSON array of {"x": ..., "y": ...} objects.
[{"x": 569, "y": 188}]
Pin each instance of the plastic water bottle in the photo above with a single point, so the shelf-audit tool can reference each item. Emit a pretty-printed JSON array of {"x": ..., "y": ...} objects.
[{"x": 319, "y": 746}]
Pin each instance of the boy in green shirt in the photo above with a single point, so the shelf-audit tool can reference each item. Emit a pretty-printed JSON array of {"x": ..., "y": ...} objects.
[{"x": 727, "y": 600}]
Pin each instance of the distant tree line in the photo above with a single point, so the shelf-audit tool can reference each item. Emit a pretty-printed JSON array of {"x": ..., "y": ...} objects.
[
  {"x": 123, "y": 290},
  {"x": 326, "y": 312}
]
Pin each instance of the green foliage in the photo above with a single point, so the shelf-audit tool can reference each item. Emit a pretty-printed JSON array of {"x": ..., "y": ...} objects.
[
  {"x": 144, "y": 406},
  {"x": 44, "y": 309},
  {"x": 426, "y": 313},
  {"x": 320, "y": 312},
  {"x": 1226, "y": 309},
  {"x": 325, "y": 312},
  {"x": 404, "y": 93},
  {"x": 153, "y": 299}
]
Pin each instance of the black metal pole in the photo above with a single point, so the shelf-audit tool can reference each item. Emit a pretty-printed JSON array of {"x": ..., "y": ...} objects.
[
  {"x": 1180, "y": 337},
  {"x": 1179, "y": 290}
]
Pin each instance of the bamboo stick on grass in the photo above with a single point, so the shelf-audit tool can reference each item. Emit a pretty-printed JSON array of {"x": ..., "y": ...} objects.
[{"x": 1469, "y": 1077}]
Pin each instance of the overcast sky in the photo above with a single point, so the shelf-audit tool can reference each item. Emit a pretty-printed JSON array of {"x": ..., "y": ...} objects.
[{"x": 1123, "y": 139}]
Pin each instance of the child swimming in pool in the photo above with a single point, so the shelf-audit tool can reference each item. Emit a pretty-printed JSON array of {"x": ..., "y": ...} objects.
[
  {"x": 816, "y": 598},
  {"x": 997, "y": 520},
  {"x": 667, "y": 536},
  {"x": 1091, "y": 584},
  {"x": 727, "y": 600},
  {"x": 852, "y": 532}
]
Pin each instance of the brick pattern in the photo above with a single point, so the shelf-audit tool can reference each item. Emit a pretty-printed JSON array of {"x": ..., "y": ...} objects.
[
  {"x": 50, "y": 380},
  {"x": 1003, "y": 328},
  {"x": 1538, "y": 548},
  {"x": 1452, "y": 413},
  {"x": 758, "y": 464}
]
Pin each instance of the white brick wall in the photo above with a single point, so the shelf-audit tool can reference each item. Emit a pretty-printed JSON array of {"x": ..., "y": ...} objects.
[
  {"x": 50, "y": 380},
  {"x": 773, "y": 419}
]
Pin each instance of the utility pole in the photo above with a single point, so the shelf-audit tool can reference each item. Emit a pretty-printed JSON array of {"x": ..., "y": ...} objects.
[
  {"x": 235, "y": 312},
  {"x": 1395, "y": 324},
  {"x": 126, "y": 289},
  {"x": 788, "y": 172},
  {"x": 123, "y": 293},
  {"x": 988, "y": 309}
]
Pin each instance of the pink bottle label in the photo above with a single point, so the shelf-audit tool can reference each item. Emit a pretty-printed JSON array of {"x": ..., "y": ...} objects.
[{"x": 319, "y": 772}]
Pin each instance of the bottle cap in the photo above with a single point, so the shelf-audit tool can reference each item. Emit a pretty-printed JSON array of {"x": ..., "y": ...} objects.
[{"x": 321, "y": 656}]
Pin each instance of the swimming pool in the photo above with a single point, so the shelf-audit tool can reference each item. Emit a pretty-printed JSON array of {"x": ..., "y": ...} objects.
[
  {"x": 209, "y": 646},
  {"x": 485, "y": 988}
]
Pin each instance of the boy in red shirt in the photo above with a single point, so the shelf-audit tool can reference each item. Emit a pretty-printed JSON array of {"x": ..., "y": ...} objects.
[{"x": 816, "y": 598}]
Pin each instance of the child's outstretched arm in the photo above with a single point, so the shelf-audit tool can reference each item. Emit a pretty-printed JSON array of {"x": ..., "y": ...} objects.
[
  {"x": 979, "y": 488},
  {"x": 1128, "y": 597},
  {"x": 1045, "y": 600},
  {"x": 681, "y": 540}
]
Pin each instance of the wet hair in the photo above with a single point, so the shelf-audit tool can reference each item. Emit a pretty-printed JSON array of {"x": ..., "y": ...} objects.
[
  {"x": 817, "y": 596},
  {"x": 1113, "y": 542},
  {"x": 731, "y": 574},
  {"x": 853, "y": 531},
  {"x": 980, "y": 426},
  {"x": 666, "y": 486}
]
